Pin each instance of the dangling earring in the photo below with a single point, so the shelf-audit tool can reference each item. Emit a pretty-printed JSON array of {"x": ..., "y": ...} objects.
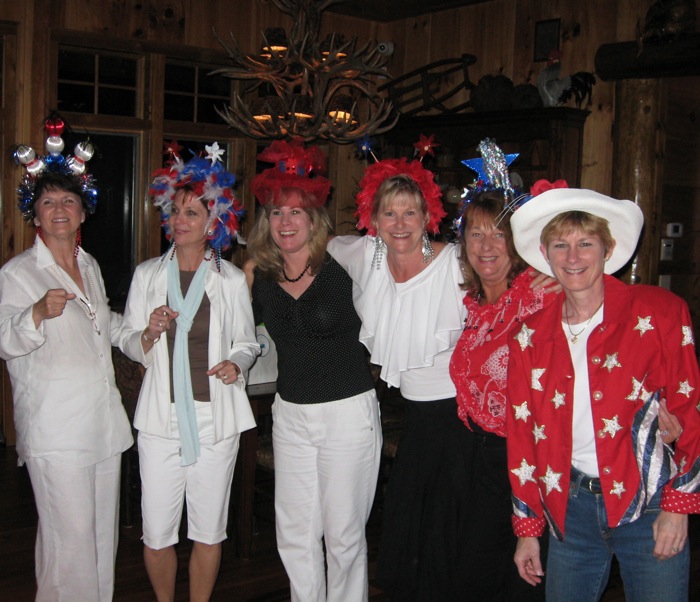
[
  {"x": 428, "y": 251},
  {"x": 379, "y": 247},
  {"x": 172, "y": 249},
  {"x": 78, "y": 242},
  {"x": 40, "y": 233}
]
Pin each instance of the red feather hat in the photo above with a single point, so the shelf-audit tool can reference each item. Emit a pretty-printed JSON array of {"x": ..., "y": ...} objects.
[
  {"x": 296, "y": 167},
  {"x": 376, "y": 173}
]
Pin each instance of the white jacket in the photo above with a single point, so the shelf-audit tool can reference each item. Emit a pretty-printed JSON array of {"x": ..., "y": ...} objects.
[
  {"x": 67, "y": 406},
  {"x": 231, "y": 337}
]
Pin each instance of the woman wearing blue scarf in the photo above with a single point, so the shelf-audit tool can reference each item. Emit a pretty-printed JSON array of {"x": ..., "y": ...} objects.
[{"x": 188, "y": 320}]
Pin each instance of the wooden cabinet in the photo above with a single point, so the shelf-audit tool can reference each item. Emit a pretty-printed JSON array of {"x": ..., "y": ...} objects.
[{"x": 549, "y": 141}]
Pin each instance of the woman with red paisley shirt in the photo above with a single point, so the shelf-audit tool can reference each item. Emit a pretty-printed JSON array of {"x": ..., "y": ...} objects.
[{"x": 500, "y": 292}]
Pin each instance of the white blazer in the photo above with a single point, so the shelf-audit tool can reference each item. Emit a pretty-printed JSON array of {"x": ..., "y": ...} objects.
[{"x": 231, "y": 337}]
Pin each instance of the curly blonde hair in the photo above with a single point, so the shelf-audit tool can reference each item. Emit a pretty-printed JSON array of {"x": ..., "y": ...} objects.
[{"x": 265, "y": 253}]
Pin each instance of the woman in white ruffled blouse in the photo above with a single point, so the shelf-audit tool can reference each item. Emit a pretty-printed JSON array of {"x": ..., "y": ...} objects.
[{"x": 407, "y": 293}]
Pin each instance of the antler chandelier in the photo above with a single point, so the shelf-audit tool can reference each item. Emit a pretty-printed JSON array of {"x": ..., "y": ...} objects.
[{"x": 300, "y": 87}]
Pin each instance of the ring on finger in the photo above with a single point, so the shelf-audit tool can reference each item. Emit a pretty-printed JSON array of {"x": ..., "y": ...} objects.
[
  {"x": 225, "y": 376},
  {"x": 675, "y": 550},
  {"x": 664, "y": 432},
  {"x": 160, "y": 325}
]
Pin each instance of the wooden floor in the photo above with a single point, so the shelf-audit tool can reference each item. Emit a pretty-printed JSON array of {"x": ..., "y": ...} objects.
[{"x": 260, "y": 579}]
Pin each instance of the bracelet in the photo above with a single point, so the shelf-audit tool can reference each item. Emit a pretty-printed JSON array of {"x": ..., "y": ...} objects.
[{"x": 145, "y": 338}]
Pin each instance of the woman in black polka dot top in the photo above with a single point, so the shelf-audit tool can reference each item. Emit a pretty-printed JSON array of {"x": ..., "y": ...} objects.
[{"x": 326, "y": 430}]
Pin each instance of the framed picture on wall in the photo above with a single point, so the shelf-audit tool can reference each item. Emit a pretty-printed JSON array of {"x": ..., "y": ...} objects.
[{"x": 546, "y": 38}]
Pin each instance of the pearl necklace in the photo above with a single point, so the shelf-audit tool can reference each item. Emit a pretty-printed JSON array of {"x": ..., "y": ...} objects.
[
  {"x": 576, "y": 335},
  {"x": 299, "y": 277}
]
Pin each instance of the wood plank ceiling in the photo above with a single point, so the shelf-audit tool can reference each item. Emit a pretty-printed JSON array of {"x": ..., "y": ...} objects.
[{"x": 394, "y": 10}]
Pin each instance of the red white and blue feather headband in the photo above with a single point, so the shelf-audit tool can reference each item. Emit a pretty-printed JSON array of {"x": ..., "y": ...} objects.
[{"x": 210, "y": 182}]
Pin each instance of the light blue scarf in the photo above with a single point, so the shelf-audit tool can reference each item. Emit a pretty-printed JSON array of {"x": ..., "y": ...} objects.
[{"x": 182, "y": 382}]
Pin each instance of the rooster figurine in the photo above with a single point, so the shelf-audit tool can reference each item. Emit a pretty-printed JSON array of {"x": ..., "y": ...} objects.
[{"x": 556, "y": 90}]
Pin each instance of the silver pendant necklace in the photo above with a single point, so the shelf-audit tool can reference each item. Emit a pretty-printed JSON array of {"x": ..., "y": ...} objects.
[{"x": 575, "y": 335}]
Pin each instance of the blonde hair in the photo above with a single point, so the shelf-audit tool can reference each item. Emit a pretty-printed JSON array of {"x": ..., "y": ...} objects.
[
  {"x": 389, "y": 189},
  {"x": 487, "y": 208},
  {"x": 265, "y": 253},
  {"x": 569, "y": 221}
]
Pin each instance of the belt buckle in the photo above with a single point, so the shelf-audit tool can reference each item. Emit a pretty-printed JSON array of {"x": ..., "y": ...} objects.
[{"x": 591, "y": 484}]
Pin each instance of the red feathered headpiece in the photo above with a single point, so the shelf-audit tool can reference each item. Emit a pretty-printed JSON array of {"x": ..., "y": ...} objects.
[
  {"x": 296, "y": 167},
  {"x": 378, "y": 172}
]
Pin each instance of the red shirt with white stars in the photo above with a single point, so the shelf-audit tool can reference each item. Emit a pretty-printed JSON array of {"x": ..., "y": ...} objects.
[{"x": 643, "y": 351}]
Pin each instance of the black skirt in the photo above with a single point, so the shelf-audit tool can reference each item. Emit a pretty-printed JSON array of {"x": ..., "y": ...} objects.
[{"x": 423, "y": 549}]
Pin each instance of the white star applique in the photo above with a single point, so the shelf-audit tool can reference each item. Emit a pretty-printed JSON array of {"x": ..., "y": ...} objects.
[
  {"x": 611, "y": 362},
  {"x": 214, "y": 153},
  {"x": 618, "y": 489},
  {"x": 687, "y": 336},
  {"x": 524, "y": 473},
  {"x": 636, "y": 388},
  {"x": 643, "y": 324},
  {"x": 538, "y": 432},
  {"x": 559, "y": 399},
  {"x": 611, "y": 426},
  {"x": 551, "y": 480},
  {"x": 645, "y": 395},
  {"x": 524, "y": 337},
  {"x": 535, "y": 376},
  {"x": 521, "y": 411},
  {"x": 684, "y": 388}
]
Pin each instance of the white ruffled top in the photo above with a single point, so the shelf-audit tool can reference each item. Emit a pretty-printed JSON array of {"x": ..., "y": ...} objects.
[{"x": 410, "y": 328}]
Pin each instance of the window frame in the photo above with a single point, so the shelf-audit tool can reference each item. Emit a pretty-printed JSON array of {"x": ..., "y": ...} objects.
[{"x": 149, "y": 125}]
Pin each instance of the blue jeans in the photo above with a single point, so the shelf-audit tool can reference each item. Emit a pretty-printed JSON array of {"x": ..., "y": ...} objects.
[{"x": 578, "y": 567}]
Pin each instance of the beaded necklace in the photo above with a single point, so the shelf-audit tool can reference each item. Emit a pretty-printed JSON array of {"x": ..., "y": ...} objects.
[
  {"x": 84, "y": 300},
  {"x": 299, "y": 277}
]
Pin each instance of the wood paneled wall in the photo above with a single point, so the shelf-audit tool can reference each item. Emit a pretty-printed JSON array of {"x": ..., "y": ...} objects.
[{"x": 500, "y": 33}]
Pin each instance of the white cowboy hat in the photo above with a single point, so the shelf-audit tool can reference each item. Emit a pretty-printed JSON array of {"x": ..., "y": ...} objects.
[{"x": 625, "y": 219}]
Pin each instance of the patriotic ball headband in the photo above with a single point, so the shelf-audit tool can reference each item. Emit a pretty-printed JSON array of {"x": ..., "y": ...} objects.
[{"x": 55, "y": 163}]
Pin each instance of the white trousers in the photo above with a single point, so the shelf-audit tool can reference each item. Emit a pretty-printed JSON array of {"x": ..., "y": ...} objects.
[
  {"x": 326, "y": 466},
  {"x": 77, "y": 536},
  {"x": 205, "y": 485}
]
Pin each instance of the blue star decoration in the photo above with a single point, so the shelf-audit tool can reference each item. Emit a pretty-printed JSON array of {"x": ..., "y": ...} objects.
[
  {"x": 364, "y": 147},
  {"x": 478, "y": 166}
]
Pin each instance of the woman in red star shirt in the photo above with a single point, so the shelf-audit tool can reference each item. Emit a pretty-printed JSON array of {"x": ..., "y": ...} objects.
[{"x": 586, "y": 377}]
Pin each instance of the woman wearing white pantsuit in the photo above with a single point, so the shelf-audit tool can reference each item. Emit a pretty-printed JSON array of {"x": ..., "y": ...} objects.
[{"x": 56, "y": 334}]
